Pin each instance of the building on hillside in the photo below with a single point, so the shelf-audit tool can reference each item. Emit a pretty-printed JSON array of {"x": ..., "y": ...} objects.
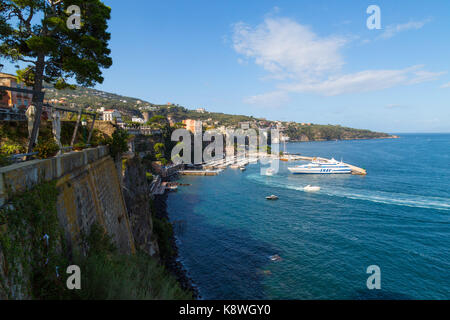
[
  {"x": 244, "y": 125},
  {"x": 137, "y": 120},
  {"x": 200, "y": 110},
  {"x": 148, "y": 108},
  {"x": 194, "y": 126},
  {"x": 171, "y": 120},
  {"x": 222, "y": 130},
  {"x": 11, "y": 99},
  {"x": 112, "y": 115}
]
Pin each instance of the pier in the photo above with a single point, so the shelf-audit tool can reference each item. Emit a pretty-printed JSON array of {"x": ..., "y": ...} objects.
[
  {"x": 213, "y": 168},
  {"x": 200, "y": 172}
]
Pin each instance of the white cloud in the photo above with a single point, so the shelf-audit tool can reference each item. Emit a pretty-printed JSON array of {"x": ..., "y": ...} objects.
[
  {"x": 392, "y": 30},
  {"x": 287, "y": 49},
  {"x": 304, "y": 62},
  {"x": 446, "y": 85},
  {"x": 364, "y": 81},
  {"x": 270, "y": 99}
]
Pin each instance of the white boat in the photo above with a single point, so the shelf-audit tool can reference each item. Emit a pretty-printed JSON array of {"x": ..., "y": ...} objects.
[
  {"x": 272, "y": 197},
  {"x": 242, "y": 168},
  {"x": 270, "y": 172},
  {"x": 322, "y": 166},
  {"x": 310, "y": 188}
]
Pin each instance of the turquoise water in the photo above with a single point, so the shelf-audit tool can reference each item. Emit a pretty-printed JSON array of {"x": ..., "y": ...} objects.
[{"x": 396, "y": 217}]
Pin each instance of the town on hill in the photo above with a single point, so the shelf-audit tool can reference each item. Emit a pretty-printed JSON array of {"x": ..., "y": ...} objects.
[{"x": 134, "y": 111}]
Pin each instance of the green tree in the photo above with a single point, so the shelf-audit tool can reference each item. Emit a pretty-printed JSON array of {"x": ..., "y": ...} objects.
[
  {"x": 119, "y": 142},
  {"x": 36, "y": 33},
  {"x": 157, "y": 121}
]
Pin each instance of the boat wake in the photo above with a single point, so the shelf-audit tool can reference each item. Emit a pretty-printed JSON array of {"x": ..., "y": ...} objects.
[{"x": 400, "y": 199}]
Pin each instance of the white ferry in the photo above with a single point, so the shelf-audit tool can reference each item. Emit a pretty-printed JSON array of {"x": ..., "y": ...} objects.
[{"x": 322, "y": 167}]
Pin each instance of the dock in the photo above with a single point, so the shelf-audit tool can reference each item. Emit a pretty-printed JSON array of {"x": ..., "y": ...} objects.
[
  {"x": 213, "y": 168},
  {"x": 200, "y": 172}
]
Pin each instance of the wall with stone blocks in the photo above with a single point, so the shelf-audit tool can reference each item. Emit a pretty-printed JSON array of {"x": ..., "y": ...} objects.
[{"x": 90, "y": 191}]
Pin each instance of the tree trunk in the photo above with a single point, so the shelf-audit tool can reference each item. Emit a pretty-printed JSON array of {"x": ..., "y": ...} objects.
[{"x": 38, "y": 98}]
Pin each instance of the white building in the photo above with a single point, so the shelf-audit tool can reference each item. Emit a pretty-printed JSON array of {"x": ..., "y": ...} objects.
[
  {"x": 137, "y": 120},
  {"x": 111, "y": 115},
  {"x": 201, "y": 110}
]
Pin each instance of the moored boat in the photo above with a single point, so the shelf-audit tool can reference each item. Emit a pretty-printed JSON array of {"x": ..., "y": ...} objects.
[{"x": 322, "y": 166}]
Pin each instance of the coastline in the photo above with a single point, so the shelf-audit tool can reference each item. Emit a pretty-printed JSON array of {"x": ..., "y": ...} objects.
[
  {"x": 172, "y": 263},
  {"x": 350, "y": 139}
]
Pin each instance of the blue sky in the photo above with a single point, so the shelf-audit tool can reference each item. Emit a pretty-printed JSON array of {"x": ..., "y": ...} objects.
[{"x": 307, "y": 61}]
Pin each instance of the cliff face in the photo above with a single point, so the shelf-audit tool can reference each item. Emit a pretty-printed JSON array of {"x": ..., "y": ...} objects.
[
  {"x": 90, "y": 195},
  {"x": 88, "y": 191},
  {"x": 137, "y": 199}
]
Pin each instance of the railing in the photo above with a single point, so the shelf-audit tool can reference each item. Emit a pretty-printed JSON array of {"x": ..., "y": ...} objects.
[
  {"x": 142, "y": 130},
  {"x": 21, "y": 157},
  {"x": 8, "y": 115}
]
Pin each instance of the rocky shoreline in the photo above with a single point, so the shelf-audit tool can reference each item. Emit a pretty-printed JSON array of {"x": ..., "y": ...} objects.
[
  {"x": 172, "y": 263},
  {"x": 345, "y": 139}
]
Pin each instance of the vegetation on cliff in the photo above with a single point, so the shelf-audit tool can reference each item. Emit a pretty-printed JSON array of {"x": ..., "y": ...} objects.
[
  {"x": 32, "y": 243},
  {"x": 109, "y": 275},
  {"x": 14, "y": 138},
  {"x": 315, "y": 132},
  {"x": 34, "y": 258},
  {"x": 129, "y": 107}
]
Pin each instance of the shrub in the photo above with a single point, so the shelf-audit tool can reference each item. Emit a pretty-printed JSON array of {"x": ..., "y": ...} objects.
[
  {"x": 149, "y": 176},
  {"x": 11, "y": 148},
  {"x": 119, "y": 142},
  {"x": 109, "y": 275},
  {"x": 46, "y": 148},
  {"x": 163, "y": 230},
  {"x": 4, "y": 160},
  {"x": 79, "y": 146}
]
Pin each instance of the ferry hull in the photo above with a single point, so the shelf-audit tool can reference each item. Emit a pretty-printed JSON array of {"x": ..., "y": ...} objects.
[
  {"x": 322, "y": 167},
  {"x": 319, "y": 171}
]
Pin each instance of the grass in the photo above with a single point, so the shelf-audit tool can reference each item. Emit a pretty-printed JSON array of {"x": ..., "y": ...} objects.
[
  {"x": 120, "y": 277},
  {"x": 108, "y": 275}
]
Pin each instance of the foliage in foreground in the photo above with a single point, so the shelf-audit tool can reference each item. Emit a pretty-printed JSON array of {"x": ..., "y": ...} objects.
[
  {"x": 39, "y": 266},
  {"x": 119, "y": 142},
  {"x": 107, "y": 275}
]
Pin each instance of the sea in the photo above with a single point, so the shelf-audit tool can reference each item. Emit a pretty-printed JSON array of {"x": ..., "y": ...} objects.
[{"x": 397, "y": 218}]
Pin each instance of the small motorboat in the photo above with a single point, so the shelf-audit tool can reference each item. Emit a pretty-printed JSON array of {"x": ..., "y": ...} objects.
[
  {"x": 310, "y": 188},
  {"x": 272, "y": 197},
  {"x": 172, "y": 187},
  {"x": 275, "y": 258},
  {"x": 242, "y": 168}
]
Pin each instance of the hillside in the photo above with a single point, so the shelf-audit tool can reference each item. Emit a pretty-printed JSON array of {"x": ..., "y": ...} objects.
[{"x": 129, "y": 107}]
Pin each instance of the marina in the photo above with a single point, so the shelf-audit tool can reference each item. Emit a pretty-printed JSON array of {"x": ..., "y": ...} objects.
[
  {"x": 214, "y": 167},
  {"x": 232, "y": 228}
]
